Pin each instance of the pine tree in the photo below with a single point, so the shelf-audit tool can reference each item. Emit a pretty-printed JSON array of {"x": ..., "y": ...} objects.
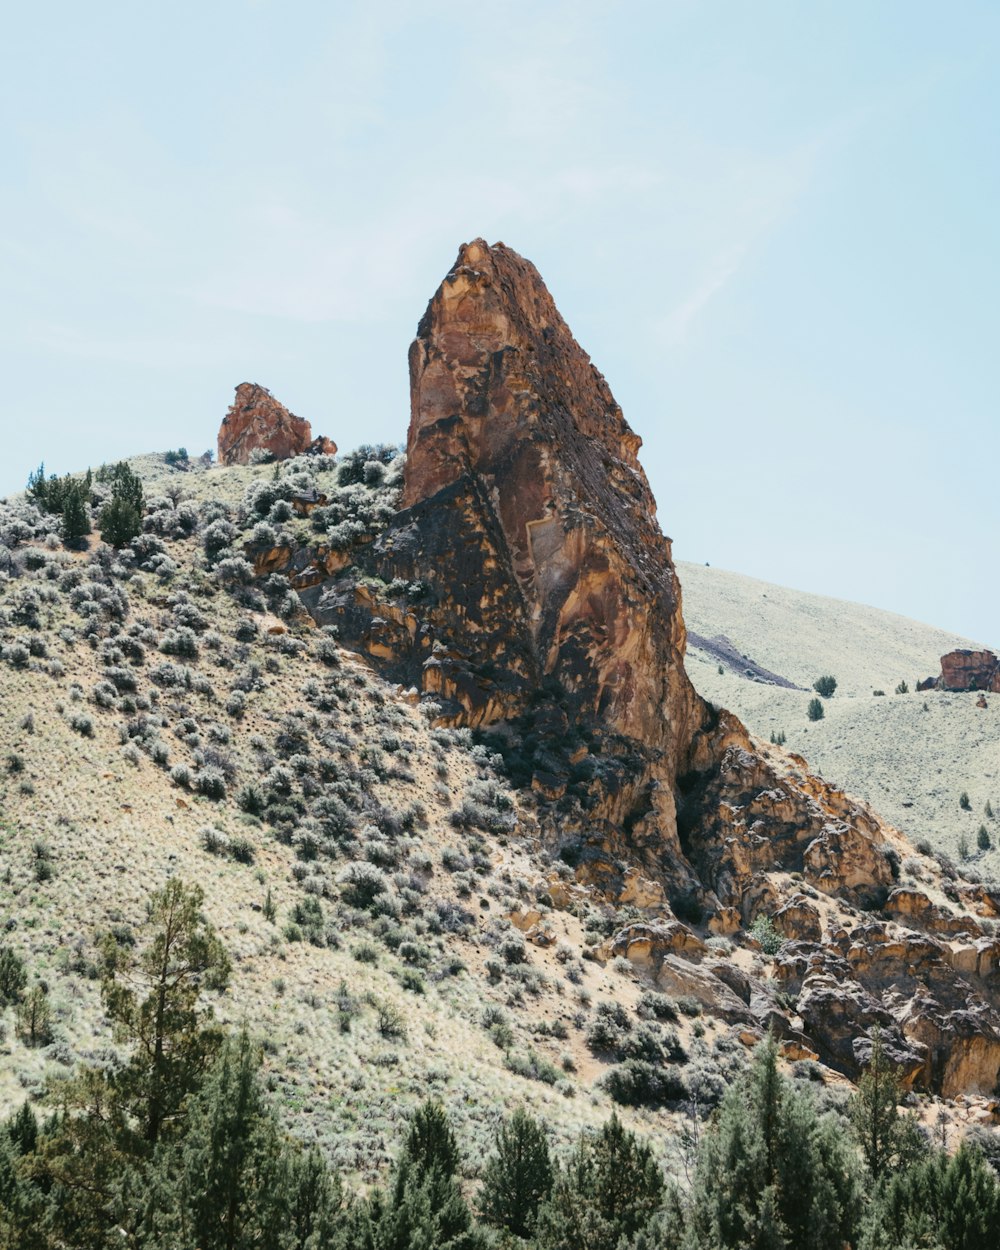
[
  {"x": 225, "y": 1184},
  {"x": 152, "y": 995},
  {"x": 430, "y": 1142},
  {"x": 75, "y": 516},
  {"x": 887, "y": 1139},
  {"x": 609, "y": 1189},
  {"x": 937, "y": 1201},
  {"x": 518, "y": 1177},
  {"x": 121, "y": 518},
  {"x": 771, "y": 1173}
]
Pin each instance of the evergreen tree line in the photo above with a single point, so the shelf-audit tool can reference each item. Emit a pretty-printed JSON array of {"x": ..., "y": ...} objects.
[
  {"x": 71, "y": 498},
  {"x": 177, "y": 1148}
]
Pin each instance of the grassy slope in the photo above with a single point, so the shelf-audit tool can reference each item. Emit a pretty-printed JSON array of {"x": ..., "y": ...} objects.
[
  {"x": 115, "y": 829},
  {"x": 910, "y": 756}
]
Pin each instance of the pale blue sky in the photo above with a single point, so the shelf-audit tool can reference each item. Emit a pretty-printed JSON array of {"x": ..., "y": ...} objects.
[{"x": 773, "y": 225}]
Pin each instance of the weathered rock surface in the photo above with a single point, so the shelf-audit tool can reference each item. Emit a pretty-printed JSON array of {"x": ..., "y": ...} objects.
[
  {"x": 541, "y": 607},
  {"x": 257, "y": 421},
  {"x": 967, "y": 670}
]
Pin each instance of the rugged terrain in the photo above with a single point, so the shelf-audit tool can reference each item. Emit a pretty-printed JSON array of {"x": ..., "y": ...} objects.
[{"x": 424, "y": 730}]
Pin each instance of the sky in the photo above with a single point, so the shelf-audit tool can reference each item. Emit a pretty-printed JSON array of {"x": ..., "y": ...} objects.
[{"x": 772, "y": 225}]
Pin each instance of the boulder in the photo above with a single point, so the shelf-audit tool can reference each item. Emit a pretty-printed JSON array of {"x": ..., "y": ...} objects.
[{"x": 970, "y": 670}]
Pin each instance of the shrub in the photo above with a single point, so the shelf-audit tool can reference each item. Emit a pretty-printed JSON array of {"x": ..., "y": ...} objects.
[
  {"x": 211, "y": 783},
  {"x": 768, "y": 937},
  {"x": 825, "y": 686},
  {"x": 638, "y": 1083},
  {"x": 389, "y": 1020},
  {"x": 513, "y": 950},
  {"x": 82, "y": 724},
  {"x": 250, "y": 799},
  {"x": 609, "y": 1029},
  {"x": 654, "y": 1006},
  {"x": 902, "y": 688},
  {"x": 214, "y": 840},
  {"x": 532, "y": 1067},
  {"x": 242, "y": 850},
  {"x": 13, "y": 976},
  {"x": 361, "y": 884},
  {"x": 815, "y": 710}
]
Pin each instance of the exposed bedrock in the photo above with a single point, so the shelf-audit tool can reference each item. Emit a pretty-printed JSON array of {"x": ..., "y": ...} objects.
[{"x": 526, "y": 588}]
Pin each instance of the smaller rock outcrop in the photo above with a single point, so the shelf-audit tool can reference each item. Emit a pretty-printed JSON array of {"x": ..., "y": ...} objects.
[
  {"x": 257, "y": 421},
  {"x": 966, "y": 670}
]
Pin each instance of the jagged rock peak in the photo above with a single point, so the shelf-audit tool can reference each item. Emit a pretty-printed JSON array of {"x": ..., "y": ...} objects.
[
  {"x": 503, "y": 395},
  {"x": 256, "y": 420}
]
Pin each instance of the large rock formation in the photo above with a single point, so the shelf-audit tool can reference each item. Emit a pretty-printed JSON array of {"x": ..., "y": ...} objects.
[
  {"x": 525, "y": 587},
  {"x": 968, "y": 670},
  {"x": 257, "y": 421}
]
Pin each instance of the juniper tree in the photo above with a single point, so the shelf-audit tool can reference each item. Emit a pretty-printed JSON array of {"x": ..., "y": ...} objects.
[
  {"x": 608, "y": 1190},
  {"x": 75, "y": 516},
  {"x": 121, "y": 517},
  {"x": 152, "y": 994},
  {"x": 423, "y": 1204},
  {"x": 887, "y": 1140},
  {"x": 937, "y": 1201},
  {"x": 430, "y": 1142},
  {"x": 772, "y": 1174},
  {"x": 225, "y": 1184},
  {"x": 518, "y": 1177}
]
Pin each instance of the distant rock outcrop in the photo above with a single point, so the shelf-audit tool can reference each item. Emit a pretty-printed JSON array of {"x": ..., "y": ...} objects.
[
  {"x": 970, "y": 670},
  {"x": 526, "y": 589},
  {"x": 257, "y": 421}
]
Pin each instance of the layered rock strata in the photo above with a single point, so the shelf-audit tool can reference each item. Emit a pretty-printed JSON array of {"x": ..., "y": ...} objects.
[{"x": 526, "y": 589}]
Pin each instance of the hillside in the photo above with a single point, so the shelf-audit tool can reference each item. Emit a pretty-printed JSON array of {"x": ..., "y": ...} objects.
[
  {"x": 152, "y": 706},
  {"x": 910, "y": 755},
  {"x": 419, "y": 730}
]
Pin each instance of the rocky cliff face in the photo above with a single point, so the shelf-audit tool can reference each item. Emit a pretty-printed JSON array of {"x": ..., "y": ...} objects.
[
  {"x": 257, "y": 421},
  {"x": 525, "y": 587},
  {"x": 970, "y": 670}
]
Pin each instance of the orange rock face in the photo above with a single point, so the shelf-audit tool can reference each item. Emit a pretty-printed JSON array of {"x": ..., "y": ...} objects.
[
  {"x": 257, "y": 421},
  {"x": 506, "y": 403},
  {"x": 540, "y": 606},
  {"x": 970, "y": 670}
]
